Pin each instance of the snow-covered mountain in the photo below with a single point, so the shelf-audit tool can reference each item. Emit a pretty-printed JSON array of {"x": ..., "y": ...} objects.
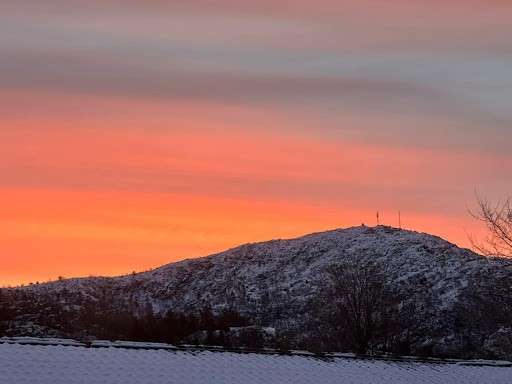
[{"x": 276, "y": 282}]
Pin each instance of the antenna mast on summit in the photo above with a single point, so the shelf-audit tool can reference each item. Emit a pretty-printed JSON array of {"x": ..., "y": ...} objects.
[
  {"x": 378, "y": 218},
  {"x": 399, "y": 219}
]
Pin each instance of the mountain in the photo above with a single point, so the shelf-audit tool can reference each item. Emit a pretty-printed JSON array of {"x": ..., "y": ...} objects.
[{"x": 452, "y": 301}]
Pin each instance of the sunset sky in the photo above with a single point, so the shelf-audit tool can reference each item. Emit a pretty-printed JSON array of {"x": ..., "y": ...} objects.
[{"x": 136, "y": 133}]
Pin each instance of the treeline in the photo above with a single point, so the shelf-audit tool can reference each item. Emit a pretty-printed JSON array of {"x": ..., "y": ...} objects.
[
  {"x": 205, "y": 327},
  {"x": 23, "y": 313}
]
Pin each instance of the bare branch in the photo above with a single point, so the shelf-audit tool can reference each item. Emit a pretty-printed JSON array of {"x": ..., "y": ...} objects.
[{"x": 497, "y": 217}]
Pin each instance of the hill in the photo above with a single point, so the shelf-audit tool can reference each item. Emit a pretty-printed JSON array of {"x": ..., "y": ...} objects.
[{"x": 448, "y": 301}]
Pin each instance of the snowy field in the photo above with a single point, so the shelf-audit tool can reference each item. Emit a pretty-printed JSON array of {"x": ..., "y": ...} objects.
[{"x": 72, "y": 363}]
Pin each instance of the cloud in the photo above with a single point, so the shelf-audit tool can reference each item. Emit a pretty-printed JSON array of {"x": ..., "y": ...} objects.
[
  {"x": 322, "y": 99},
  {"x": 207, "y": 54},
  {"x": 103, "y": 75}
]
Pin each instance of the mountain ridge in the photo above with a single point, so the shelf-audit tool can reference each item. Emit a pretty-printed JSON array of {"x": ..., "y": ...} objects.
[{"x": 234, "y": 248}]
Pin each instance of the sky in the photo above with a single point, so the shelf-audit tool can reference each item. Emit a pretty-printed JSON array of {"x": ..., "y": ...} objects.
[{"x": 136, "y": 133}]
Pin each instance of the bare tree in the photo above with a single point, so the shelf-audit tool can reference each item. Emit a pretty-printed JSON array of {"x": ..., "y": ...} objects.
[
  {"x": 362, "y": 301},
  {"x": 497, "y": 217}
]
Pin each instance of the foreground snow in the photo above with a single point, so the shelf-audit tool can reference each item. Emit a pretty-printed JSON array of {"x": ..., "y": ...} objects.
[{"x": 49, "y": 363}]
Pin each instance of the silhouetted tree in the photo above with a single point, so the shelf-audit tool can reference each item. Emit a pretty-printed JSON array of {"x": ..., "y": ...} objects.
[
  {"x": 364, "y": 307},
  {"x": 497, "y": 217}
]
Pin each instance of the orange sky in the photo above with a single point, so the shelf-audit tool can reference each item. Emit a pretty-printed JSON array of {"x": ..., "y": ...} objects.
[
  {"x": 135, "y": 135},
  {"x": 111, "y": 195}
]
